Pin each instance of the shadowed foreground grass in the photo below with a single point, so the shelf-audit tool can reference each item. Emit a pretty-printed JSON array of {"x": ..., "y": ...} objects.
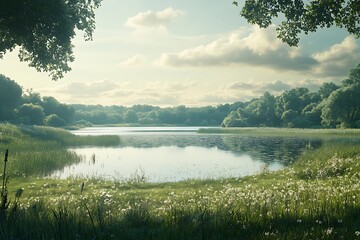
[{"x": 318, "y": 197}]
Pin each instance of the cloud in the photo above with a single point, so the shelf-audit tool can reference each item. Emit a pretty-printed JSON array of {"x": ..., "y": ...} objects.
[
  {"x": 89, "y": 90},
  {"x": 214, "y": 99},
  {"x": 133, "y": 61},
  {"x": 179, "y": 87},
  {"x": 164, "y": 100},
  {"x": 259, "y": 47},
  {"x": 155, "y": 93},
  {"x": 337, "y": 59},
  {"x": 239, "y": 86},
  {"x": 312, "y": 85},
  {"x": 255, "y": 89},
  {"x": 153, "y": 20},
  {"x": 277, "y": 86}
]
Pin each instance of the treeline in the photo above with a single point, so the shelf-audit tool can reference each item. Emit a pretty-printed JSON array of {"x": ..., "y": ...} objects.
[
  {"x": 30, "y": 108},
  {"x": 146, "y": 114},
  {"x": 19, "y": 107},
  {"x": 331, "y": 106}
]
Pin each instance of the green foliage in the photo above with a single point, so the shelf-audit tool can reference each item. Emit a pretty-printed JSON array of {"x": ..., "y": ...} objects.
[
  {"x": 331, "y": 106},
  {"x": 10, "y": 96},
  {"x": 30, "y": 108},
  {"x": 294, "y": 108},
  {"x": 67, "y": 139},
  {"x": 326, "y": 89},
  {"x": 303, "y": 16},
  {"x": 131, "y": 116},
  {"x": 342, "y": 107},
  {"x": 233, "y": 120},
  {"x": 31, "y": 97},
  {"x": 179, "y": 115},
  {"x": 29, "y": 113},
  {"x": 44, "y": 30},
  {"x": 54, "y": 120},
  {"x": 39, "y": 150},
  {"x": 32, "y": 156},
  {"x": 52, "y": 106}
]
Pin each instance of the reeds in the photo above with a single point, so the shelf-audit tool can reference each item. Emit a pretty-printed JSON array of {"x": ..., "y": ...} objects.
[{"x": 37, "y": 151}]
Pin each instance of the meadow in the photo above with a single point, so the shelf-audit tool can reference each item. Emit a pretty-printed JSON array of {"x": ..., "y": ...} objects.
[{"x": 317, "y": 197}]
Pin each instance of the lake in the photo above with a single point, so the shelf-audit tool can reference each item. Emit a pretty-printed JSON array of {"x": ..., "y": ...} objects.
[{"x": 170, "y": 154}]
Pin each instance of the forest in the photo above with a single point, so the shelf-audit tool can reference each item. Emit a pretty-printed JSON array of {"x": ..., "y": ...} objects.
[{"x": 332, "y": 106}]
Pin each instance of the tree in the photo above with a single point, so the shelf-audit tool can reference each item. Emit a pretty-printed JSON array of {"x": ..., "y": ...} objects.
[
  {"x": 43, "y": 29},
  {"x": 291, "y": 104},
  {"x": 354, "y": 77},
  {"x": 32, "y": 97},
  {"x": 303, "y": 16},
  {"x": 295, "y": 99},
  {"x": 312, "y": 114},
  {"x": 10, "y": 96},
  {"x": 131, "y": 116},
  {"x": 31, "y": 114},
  {"x": 342, "y": 108},
  {"x": 233, "y": 120},
  {"x": 52, "y": 106},
  {"x": 54, "y": 120},
  {"x": 166, "y": 116},
  {"x": 326, "y": 89},
  {"x": 262, "y": 111}
]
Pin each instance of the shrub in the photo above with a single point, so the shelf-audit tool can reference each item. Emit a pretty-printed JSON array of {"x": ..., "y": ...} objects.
[{"x": 54, "y": 120}]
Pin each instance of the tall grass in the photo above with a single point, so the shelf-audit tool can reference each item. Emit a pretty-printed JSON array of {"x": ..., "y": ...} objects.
[
  {"x": 39, "y": 150},
  {"x": 67, "y": 139}
]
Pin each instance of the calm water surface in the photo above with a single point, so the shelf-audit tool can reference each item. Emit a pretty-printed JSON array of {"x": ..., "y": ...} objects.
[{"x": 168, "y": 154}]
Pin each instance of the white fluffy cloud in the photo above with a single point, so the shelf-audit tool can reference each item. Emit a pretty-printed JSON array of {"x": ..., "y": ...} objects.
[
  {"x": 133, "y": 61},
  {"x": 88, "y": 90},
  {"x": 123, "y": 93},
  {"x": 152, "y": 19},
  {"x": 254, "y": 89},
  {"x": 155, "y": 93},
  {"x": 259, "y": 47},
  {"x": 337, "y": 59}
]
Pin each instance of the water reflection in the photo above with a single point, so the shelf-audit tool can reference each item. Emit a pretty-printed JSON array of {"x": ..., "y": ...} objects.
[
  {"x": 270, "y": 149},
  {"x": 266, "y": 149},
  {"x": 165, "y": 154}
]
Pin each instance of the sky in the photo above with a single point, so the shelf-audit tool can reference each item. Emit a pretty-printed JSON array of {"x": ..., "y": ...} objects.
[{"x": 193, "y": 53}]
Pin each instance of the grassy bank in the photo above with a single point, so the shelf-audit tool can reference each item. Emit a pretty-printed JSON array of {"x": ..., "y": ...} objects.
[
  {"x": 38, "y": 150},
  {"x": 315, "y": 198},
  {"x": 286, "y": 132}
]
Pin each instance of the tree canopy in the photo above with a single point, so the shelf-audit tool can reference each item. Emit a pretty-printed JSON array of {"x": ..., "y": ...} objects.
[
  {"x": 331, "y": 106},
  {"x": 43, "y": 29},
  {"x": 343, "y": 105},
  {"x": 10, "y": 96},
  {"x": 303, "y": 16}
]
